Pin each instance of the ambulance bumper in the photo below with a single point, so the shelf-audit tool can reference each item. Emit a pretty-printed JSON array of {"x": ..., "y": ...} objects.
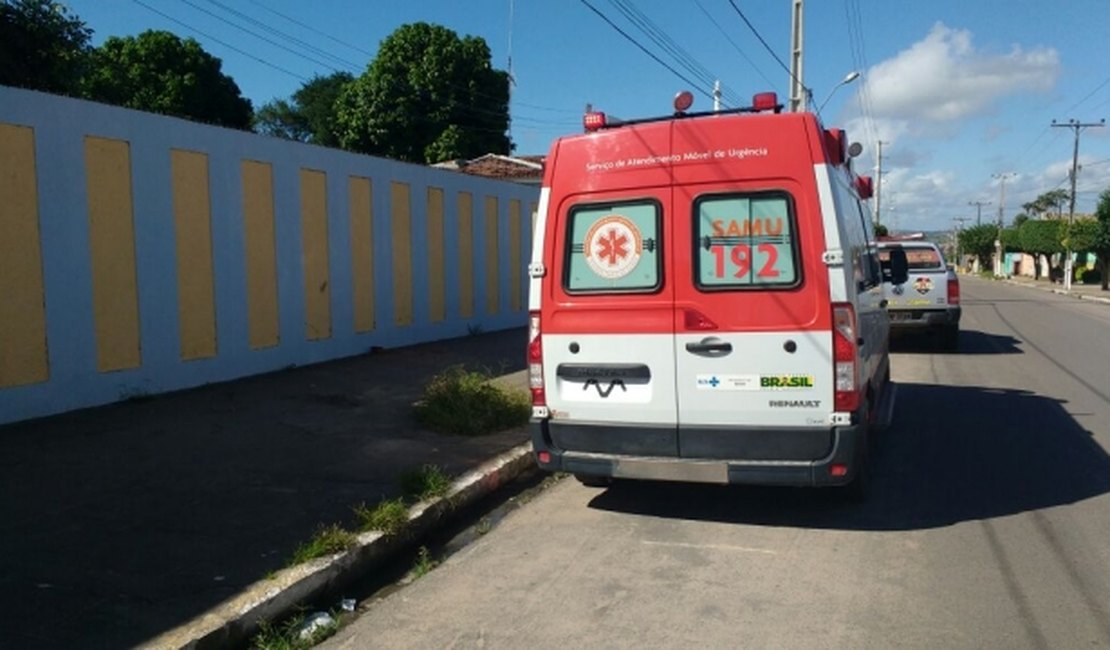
[{"x": 787, "y": 470}]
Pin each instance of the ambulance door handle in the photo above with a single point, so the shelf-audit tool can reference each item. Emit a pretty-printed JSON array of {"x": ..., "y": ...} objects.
[{"x": 711, "y": 346}]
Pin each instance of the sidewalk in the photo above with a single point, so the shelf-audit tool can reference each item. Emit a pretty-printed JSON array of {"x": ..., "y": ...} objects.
[
  {"x": 122, "y": 522},
  {"x": 1081, "y": 291}
]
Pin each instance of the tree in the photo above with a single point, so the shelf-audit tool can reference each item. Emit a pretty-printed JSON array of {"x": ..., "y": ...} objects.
[
  {"x": 159, "y": 72},
  {"x": 310, "y": 115},
  {"x": 42, "y": 46},
  {"x": 1093, "y": 235},
  {"x": 881, "y": 230},
  {"x": 1047, "y": 202},
  {"x": 979, "y": 241},
  {"x": 427, "y": 96},
  {"x": 1041, "y": 237}
]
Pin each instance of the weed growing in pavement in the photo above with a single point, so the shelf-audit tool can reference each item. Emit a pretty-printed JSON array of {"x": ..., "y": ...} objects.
[
  {"x": 425, "y": 482},
  {"x": 287, "y": 635},
  {"x": 466, "y": 402},
  {"x": 484, "y": 526},
  {"x": 326, "y": 541},
  {"x": 424, "y": 563},
  {"x": 473, "y": 329},
  {"x": 390, "y": 516}
]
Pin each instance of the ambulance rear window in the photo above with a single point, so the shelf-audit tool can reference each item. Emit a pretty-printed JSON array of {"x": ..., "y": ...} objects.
[
  {"x": 613, "y": 248},
  {"x": 745, "y": 241}
]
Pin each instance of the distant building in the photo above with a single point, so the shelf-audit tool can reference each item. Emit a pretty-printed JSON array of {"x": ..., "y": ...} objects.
[{"x": 527, "y": 170}]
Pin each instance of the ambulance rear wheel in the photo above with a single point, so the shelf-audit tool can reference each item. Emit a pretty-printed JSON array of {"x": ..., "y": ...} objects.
[{"x": 591, "y": 480}]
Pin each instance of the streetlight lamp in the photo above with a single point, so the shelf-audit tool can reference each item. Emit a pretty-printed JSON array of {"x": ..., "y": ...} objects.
[{"x": 852, "y": 76}]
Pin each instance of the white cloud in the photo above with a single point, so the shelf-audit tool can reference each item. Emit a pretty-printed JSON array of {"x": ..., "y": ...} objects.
[{"x": 943, "y": 78}]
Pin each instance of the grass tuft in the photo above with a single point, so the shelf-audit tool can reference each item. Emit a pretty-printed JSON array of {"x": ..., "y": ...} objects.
[
  {"x": 425, "y": 482},
  {"x": 465, "y": 402},
  {"x": 390, "y": 516},
  {"x": 424, "y": 563},
  {"x": 327, "y": 541},
  {"x": 287, "y": 635}
]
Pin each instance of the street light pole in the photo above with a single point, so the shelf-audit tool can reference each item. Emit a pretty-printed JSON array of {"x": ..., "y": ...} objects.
[
  {"x": 852, "y": 76},
  {"x": 1076, "y": 126}
]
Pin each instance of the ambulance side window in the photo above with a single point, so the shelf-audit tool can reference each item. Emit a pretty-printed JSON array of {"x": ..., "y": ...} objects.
[
  {"x": 613, "y": 248},
  {"x": 869, "y": 259},
  {"x": 745, "y": 241}
]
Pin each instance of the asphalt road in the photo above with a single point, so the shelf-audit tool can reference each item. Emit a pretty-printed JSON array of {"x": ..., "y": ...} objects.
[{"x": 989, "y": 526}]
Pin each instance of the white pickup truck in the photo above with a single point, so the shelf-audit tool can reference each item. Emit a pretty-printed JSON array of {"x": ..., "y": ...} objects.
[{"x": 929, "y": 300}]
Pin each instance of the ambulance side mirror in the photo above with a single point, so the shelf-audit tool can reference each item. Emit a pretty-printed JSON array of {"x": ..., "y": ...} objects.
[{"x": 899, "y": 267}]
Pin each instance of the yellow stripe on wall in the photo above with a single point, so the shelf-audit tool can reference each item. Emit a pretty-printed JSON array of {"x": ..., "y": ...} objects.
[
  {"x": 492, "y": 279},
  {"x": 514, "y": 255},
  {"x": 437, "y": 280},
  {"x": 192, "y": 218},
  {"x": 112, "y": 246},
  {"x": 466, "y": 254},
  {"x": 314, "y": 254},
  {"x": 23, "y": 356},
  {"x": 362, "y": 251},
  {"x": 401, "y": 228},
  {"x": 261, "y": 255}
]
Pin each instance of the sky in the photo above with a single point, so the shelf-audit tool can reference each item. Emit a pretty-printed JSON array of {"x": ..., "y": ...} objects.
[{"x": 961, "y": 93}]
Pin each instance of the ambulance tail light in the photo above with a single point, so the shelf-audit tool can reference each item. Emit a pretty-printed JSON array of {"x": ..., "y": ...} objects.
[
  {"x": 594, "y": 121},
  {"x": 765, "y": 101},
  {"x": 953, "y": 291},
  {"x": 845, "y": 338},
  {"x": 535, "y": 360}
]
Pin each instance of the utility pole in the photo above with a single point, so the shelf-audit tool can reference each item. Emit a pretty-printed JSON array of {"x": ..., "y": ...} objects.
[
  {"x": 1001, "y": 215},
  {"x": 978, "y": 210},
  {"x": 798, "y": 91},
  {"x": 717, "y": 96},
  {"x": 1076, "y": 126},
  {"x": 959, "y": 229},
  {"x": 879, "y": 185}
]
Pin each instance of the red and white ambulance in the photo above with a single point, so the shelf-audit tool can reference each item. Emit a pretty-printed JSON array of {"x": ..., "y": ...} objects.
[{"x": 706, "y": 302}]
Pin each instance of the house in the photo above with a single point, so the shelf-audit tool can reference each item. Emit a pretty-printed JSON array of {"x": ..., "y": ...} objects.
[{"x": 527, "y": 170}]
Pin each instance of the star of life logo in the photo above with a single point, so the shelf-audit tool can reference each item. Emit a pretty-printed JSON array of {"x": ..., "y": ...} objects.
[{"x": 613, "y": 247}]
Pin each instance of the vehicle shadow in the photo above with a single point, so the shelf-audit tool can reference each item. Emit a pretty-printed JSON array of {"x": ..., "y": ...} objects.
[
  {"x": 971, "y": 342},
  {"x": 954, "y": 454}
]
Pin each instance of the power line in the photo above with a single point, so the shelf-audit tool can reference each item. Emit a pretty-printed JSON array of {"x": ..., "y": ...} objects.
[
  {"x": 658, "y": 36},
  {"x": 736, "y": 47},
  {"x": 646, "y": 51},
  {"x": 283, "y": 35},
  {"x": 214, "y": 39},
  {"x": 760, "y": 37},
  {"x": 259, "y": 36},
  {"x": 311, "y": 28}
]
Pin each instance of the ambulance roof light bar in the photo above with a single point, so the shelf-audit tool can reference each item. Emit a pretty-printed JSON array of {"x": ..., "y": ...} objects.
[{"x": 597, "y": 120}]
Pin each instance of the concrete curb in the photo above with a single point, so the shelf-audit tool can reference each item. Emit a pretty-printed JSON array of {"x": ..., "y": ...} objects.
[
  {"x": 1060, "y": 292},
  {"x": 234, "y": 620}
]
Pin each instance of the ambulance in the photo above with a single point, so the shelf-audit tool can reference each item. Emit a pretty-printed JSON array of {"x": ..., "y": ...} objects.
[{"x": 706, "y": 303}]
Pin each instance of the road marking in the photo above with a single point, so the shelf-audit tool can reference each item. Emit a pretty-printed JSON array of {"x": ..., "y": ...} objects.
[{"x": 712, "y": 547}]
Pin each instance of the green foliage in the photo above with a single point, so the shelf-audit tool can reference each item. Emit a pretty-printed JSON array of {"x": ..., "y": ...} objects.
[
  {"x": 1049, "y": 202},
  {"x": 979, "y": 241},
  {"x": 425, "y": 482},
  {"x": 468, "y": 403},
  {"x": 309, "y": 116},
  {"x": 424, "y": 563},
  {"x": 326, "y": 541},
  {"x": 159, "y": 72},
  {"x": 389, "y": 516},
  {"x": 881, "y": 230},
  {"x": 287, "y": 635},
  {"x": 1042, "y": 237},
  {"x": 42, "y": 46},
  {"x": 1020, "y": 219},
  {"x": 428, "y": 96},
  {"x": 1011, "y": 240},
  {"x": 1081, "y": 235}
]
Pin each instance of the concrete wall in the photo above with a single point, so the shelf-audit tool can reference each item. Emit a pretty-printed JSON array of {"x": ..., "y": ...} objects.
[{"x": 141, "y": 254}]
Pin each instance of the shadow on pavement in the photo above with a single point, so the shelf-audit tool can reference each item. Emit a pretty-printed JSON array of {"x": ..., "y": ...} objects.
[
  {"x": 124, "y": 521},
  {"x": 971, "y": 342},
  {"x": 957, "y": 454}
]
